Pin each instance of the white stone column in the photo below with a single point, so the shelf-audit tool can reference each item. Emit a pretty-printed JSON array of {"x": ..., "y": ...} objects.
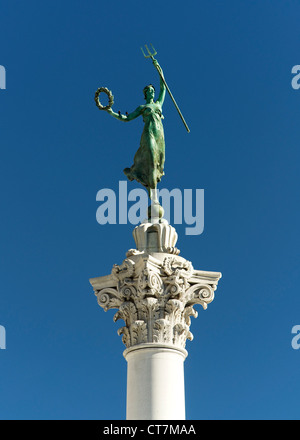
[
  {"x": 154, "y": 291},
  {"x": 155, "y": 382}
]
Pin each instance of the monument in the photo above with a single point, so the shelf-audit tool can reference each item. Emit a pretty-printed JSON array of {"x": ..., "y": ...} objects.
[{"x": 154, "y": 289}]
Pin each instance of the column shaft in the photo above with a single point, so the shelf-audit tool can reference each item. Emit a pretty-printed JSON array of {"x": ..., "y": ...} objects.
[{"x": 155, "y": 383}]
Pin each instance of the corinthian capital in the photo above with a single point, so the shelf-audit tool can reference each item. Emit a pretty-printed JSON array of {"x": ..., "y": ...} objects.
[{"x": 155, "y": 294}]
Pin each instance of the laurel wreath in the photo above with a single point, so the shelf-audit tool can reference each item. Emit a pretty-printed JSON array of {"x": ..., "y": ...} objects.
[{"x": 110, "y": 98}]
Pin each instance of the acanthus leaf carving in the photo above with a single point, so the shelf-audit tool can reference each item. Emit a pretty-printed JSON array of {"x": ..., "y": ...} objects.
[
  {"x": 189, "y": 311},
  {"x": 138, "y": 332},
  {"x": 124, "y": 332},
  {"x": 181, "y": 333},
  {"x": 128, "y": 312},
  {"x": 162, "y": 331}
]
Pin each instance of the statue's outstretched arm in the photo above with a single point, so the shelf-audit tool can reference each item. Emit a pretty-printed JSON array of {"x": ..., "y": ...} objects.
[{"x": 128, "y": 117}]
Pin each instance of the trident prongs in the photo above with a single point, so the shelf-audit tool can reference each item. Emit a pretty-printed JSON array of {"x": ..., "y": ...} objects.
[{"x": 151, "y": 55}]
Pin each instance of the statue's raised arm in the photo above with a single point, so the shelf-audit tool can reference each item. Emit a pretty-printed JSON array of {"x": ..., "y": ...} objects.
[
  {"x": 162, "y": 92},
  {"x": 138, "y": 111}
]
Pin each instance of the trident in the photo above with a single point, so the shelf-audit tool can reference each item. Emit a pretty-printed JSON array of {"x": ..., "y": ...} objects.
[{"x": 151, "y": 55}]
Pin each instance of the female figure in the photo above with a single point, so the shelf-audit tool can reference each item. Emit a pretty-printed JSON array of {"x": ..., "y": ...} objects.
[{"x": 149, "y": 160}]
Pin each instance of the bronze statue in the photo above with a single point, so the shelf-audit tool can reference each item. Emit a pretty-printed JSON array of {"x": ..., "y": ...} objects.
[{"x": 148, "y": 164}]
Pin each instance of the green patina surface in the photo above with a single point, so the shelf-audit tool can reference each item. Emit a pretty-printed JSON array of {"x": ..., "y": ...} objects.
[{"x": 148, "y": 164}]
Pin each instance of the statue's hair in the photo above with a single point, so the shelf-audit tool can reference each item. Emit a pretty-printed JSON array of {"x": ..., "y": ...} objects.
[{"x": 146, "y": 88}]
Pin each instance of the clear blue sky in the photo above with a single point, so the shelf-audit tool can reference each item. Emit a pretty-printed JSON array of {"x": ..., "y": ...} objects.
[{"x": 229, "y": 66}]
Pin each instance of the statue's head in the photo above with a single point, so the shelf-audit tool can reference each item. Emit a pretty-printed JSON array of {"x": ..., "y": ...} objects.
[{"x": 149, "y": 90}]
